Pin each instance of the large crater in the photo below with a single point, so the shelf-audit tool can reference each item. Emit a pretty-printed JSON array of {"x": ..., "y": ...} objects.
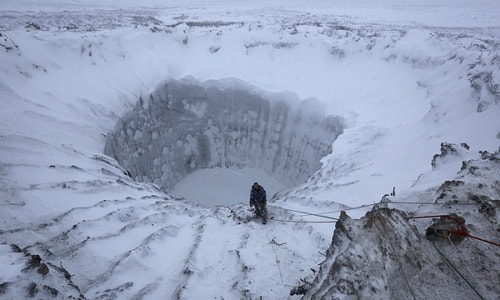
[{"x": 185, "y": 125}]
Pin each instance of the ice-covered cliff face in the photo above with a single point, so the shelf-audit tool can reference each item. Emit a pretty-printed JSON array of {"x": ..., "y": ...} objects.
[{"x": 184, "y": 126}]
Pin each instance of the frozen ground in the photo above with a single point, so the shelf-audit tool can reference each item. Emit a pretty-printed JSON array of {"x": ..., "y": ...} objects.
[{"x": 403, "y": 77}]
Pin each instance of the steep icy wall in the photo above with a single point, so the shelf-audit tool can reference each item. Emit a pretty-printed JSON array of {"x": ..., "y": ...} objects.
[{"x": 185, "y": 125}]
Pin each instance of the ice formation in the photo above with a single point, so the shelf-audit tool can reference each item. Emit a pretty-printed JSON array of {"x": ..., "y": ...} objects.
[{"x": 184, "y": 126}]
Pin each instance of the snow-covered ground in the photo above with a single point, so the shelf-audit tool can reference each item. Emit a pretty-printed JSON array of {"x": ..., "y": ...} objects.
[{"x": 403, "y": 76}]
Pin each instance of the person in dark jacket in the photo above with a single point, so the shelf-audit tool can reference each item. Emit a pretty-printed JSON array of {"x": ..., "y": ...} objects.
[{"x": 259, "y": 201}]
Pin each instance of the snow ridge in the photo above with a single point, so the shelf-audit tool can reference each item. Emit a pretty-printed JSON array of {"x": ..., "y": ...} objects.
[{"x": 385, "y": 253}]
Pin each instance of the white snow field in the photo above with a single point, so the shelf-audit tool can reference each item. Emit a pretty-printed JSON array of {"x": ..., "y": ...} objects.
[{"x": 131, "y": 132}]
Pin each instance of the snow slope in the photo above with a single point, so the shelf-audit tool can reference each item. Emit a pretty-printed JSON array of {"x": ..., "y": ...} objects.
[{"x": 404, "y": 77}]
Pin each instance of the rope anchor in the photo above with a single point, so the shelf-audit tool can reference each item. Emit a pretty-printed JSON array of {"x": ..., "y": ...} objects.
[{"x": 451, "y": 227}]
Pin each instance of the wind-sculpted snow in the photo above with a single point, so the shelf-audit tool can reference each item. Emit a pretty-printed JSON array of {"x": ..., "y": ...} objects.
[
  {"x": 155, "y": 247},
  {"x": 184, "y": 126}
]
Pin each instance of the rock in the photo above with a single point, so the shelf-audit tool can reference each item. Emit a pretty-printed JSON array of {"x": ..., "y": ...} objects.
[
  {"x": 43, "y": 269},
  {"x": 448, "y": 149},
  {"x": 383, "y": 256},
  {"x": 450, "y": 227}
]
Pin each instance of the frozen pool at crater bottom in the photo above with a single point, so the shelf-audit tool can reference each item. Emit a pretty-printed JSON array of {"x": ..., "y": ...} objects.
[{"x": 223, "y": 186}]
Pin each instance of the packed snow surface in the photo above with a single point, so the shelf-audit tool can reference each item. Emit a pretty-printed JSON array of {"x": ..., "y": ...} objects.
[{"x": 412, "y": 88}]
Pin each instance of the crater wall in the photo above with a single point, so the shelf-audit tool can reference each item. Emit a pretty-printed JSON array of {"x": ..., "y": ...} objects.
[{"x": 185, "y": 125}]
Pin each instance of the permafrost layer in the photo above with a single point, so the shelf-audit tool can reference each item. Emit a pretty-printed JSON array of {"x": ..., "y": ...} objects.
[{"x": 185, "y": 125}]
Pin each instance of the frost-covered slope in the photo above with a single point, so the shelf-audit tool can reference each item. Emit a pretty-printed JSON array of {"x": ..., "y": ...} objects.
[{"x": 74, "y": 223}]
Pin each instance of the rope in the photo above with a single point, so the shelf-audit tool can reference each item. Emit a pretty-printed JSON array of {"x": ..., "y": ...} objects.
[
  {"x": 429, "y": 203},
  {"x": 302, "y": 221},
  {"x": 462, "y": 231},
  {"x": 463, "y": 263},
  {"x": 373, "y": 204},
  {"x": 399, "y": 263},
  {"x": 276, "y": 257},
  {"x": 456, "y": 270},
  {"x": 311, "y": 214},
  {"x": 340, "y": 210},
  {"x": 324, "y": 214},
  {"x": 483, "y": 240},
  {"x": 432, "y": 216}
]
